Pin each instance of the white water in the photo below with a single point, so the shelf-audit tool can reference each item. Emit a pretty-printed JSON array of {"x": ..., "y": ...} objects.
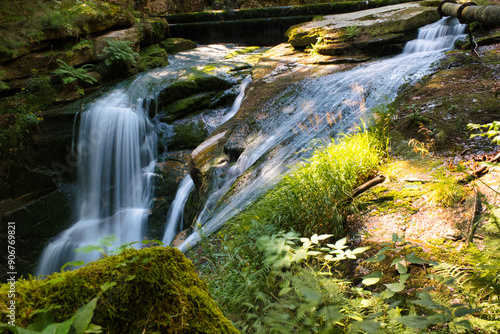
[
  {"x": 319, "y": 109},
  {"x": 175, "y": 221},
  {"x": 116, "y": 152}
]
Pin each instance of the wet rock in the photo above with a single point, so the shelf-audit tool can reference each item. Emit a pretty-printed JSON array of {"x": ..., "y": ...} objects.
[
  {"x": 171, "y": 168},
  {"x": 174, "y": 45}
]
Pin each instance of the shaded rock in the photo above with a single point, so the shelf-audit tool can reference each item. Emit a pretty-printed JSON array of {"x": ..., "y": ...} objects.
[
  {"x": 152, "y": 31},
  {"x": 38, "y": 216},
  {"x": 188, "y": 136},
  {"x": 183, "y": 107},
  {"x": 193, "y": 83},
  {"x": 171, "y": 169},
  {"x": 174, "y": 45}
]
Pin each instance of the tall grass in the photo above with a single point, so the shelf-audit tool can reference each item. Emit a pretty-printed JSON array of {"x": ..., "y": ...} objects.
[{"x": 314, "y": 197}]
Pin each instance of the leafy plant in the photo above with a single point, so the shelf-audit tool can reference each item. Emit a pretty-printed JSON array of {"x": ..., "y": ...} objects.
[
  {"x": 349, "y": 33},
  {"x": 490, "y": 130},
  {"x": 120, "y": 51},
  {"x": 44, "y": 323},
  {"x": 71, "y": 74},
  {"x": 3, "y": 85}
]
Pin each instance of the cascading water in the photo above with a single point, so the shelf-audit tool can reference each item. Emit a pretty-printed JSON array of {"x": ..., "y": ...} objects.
[
  {"x": 321, "y": 108},
  {"x": 175, "y": 213},
  {"x": 116, "y": 151}
]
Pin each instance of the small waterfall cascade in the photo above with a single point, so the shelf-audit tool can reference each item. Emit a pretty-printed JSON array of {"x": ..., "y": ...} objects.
[
  {"x": 317, "y": 109},
  {"x": 174, "y": 223},
  {"x": 116, "y": 154}
]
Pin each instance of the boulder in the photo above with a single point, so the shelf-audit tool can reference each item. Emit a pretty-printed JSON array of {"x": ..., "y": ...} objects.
[
  {"x": 131, "y": 34},
  {"x": 174, "y": 45}
]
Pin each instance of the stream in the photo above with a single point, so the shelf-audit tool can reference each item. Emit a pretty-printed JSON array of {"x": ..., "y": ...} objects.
[{"x": 117, "y": 152}]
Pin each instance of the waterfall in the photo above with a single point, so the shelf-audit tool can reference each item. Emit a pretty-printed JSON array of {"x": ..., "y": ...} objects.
[
  {"x": 175, "y": 213},
  {"x": 116, "y": 155},
  {"x": 321, "y": 108},
  {"x": 174, "y": 223},
  {"x": 116, "y": 149}
]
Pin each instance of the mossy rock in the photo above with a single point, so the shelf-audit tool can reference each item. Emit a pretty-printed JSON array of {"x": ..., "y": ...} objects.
[
  {"x": 188, "y": 136},
  {"x": 301, "y": 39},
  {"x": 183, "y": 107},
  {"x": 174, "y": 45},
  {"x": 152, "y": 31},
  {"x": 194, "y": 83},
  {"x": 157, "y": 291},
  {"x": 153, "y": 57}
]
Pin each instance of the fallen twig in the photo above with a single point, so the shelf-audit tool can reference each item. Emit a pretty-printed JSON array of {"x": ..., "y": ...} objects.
[{"x": 367, "y": 185}]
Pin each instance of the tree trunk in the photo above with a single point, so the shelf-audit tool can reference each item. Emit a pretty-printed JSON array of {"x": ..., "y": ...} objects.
[{"x": 469, "y": 12}]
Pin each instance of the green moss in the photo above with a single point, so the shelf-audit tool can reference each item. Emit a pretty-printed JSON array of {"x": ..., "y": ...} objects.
[
  {"x": 157, "y": 291},
  {"x": 153, "y": 57},
  {"x": 188, "y": 135},
  {"x": 187, "y": 105},
  {"x": 174, "y": 45}
]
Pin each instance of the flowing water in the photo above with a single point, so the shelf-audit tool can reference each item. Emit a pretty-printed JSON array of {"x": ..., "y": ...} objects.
[
  {"x": 116, "y": 145},
  {"x": 321, "y": 108}
]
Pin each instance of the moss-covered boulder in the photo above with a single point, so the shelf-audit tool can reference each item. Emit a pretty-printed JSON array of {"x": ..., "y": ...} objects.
[
  {"x": 174, "y": 45},
  {"x": 153, "y": 57},
  {"x": 153, "y": 290}
]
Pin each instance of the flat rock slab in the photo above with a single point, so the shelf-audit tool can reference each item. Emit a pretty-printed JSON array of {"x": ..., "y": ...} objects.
[{"x": 371, "y": 32}]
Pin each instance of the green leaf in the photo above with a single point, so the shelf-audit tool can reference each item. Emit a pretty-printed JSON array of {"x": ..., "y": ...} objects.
[
  {"x": 396, "y": 287},
  {"x": 412, "y": 258},
  {"x": 129, "y": 278},
  {"x": 402, "y": 269},
  {"x": 83, "y": 317},
  {"x": 73, "y": 263},
  {"x": 89, "y": 248},
  {"x": 463, "y": 311},
  {"x": 41, "y": 321},
  {"x": 310, "y": 295},
  {"x": 465, "y": 323},
  {"x": 403, "y": 278},
  {"x": 414, "y": 321},
  {"x": 107, "y": 285},
  {"x": 360, "y": 250},
  {"x": 369, "y": 326},
  {"x": 93, "y": 329},
  {"x": 376, "y": 258},
  {"x": 372, "y": 278}
]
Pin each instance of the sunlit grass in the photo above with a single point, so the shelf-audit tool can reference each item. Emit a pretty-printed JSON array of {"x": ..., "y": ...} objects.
[{"x": 315, "y": 196}]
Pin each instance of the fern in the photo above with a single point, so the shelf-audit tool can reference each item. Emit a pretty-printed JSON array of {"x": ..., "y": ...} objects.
[
  {"x": 120, "y": 51},
  {"x": 71, "y": 74}
]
